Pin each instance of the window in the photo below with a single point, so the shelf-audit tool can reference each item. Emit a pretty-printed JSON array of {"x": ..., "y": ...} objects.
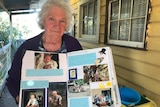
[
  {"x": 127, "y": 22},
  {"x": 88, "y": 20}
]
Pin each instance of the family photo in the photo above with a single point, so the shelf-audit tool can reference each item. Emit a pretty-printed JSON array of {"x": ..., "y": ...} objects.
[
  {"x": 57, "y": 94},
  {"x": 46, "y": 61},
  {"x": 33, "y": 98}
]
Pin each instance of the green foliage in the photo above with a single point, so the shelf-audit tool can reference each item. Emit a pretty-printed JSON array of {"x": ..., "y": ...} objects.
[
  {"x": 2, "y": 75},
  {"x": 8, "y": 34},
  {"x": 4, "y": 32},
  {"x": 80, "y": 81}
]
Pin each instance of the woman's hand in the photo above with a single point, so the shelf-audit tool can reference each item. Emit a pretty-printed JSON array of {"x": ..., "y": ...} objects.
[{"x": 17, "y": 99}]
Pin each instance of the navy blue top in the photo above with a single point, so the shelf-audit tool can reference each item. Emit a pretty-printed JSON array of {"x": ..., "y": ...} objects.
[{"x": 13, "y": 81}]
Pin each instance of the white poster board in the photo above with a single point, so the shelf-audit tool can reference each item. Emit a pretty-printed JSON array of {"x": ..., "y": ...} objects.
[{"x": 83, "y": 78}]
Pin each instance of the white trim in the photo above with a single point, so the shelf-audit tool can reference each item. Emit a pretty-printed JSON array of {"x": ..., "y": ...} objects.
[
  {"x": 127, "y": 43},
  {"x": 79, "y": 27}
]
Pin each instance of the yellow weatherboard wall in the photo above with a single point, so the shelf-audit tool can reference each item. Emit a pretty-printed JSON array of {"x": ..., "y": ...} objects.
[{"x": 137, "y": 69}]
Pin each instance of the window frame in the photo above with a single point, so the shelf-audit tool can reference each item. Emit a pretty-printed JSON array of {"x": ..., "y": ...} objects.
[
  {"x": 84, "y": 37},
  {"x": 121, "y": 43}
]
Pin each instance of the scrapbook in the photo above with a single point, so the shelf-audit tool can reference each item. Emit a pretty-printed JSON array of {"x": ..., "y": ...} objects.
[{"x": 84, "y": 78}]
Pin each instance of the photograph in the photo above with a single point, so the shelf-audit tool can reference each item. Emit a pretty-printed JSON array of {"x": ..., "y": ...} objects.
[
  {"x": 94, "y": 73},
  {"x": 78, "y": 88},
  {"x": 102, "y": 97},
  {"x": 33, "y": 98},
  {"x": 72, "y": 74},
  {"x": 57, "y": 94},
  {"x": 46, "y": 61}
]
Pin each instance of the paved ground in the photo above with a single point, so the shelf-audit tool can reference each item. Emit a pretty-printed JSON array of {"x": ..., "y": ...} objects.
[{"x": 6, "y": 100}]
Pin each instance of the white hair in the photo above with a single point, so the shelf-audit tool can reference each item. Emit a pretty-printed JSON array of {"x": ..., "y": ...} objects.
[{"x": 63, "y": 5}]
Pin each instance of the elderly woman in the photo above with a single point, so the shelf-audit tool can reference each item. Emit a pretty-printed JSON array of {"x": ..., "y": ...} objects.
[{"x": 55, "y": 18}]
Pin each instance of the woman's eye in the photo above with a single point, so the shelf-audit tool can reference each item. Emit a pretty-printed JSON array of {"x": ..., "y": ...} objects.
[
  {"x": 63, "y": 21},
  {"x": 51, "y": 19}
]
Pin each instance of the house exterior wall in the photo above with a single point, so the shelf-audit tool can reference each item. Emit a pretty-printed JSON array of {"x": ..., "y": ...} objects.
[{"x": 138, "y": 69}]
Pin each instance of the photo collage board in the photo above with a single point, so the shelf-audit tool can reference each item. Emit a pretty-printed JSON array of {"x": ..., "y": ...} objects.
[{"x": 84, "y": 78}]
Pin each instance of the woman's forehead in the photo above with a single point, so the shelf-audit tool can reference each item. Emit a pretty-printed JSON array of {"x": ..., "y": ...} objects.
[{"x": 56, "y": 11}]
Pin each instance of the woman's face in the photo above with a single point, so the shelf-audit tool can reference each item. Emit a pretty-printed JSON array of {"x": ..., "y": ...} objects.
[{"x": 55, "y": 23}]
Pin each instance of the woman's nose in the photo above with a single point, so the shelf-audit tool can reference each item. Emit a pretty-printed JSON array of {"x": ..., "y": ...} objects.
[{"x": 56, "y": 23}]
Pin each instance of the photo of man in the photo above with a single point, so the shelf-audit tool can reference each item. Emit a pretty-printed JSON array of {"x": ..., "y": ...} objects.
[
  {"x": 57, "y": 94},
  {"x": 55, "y": 99}
]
